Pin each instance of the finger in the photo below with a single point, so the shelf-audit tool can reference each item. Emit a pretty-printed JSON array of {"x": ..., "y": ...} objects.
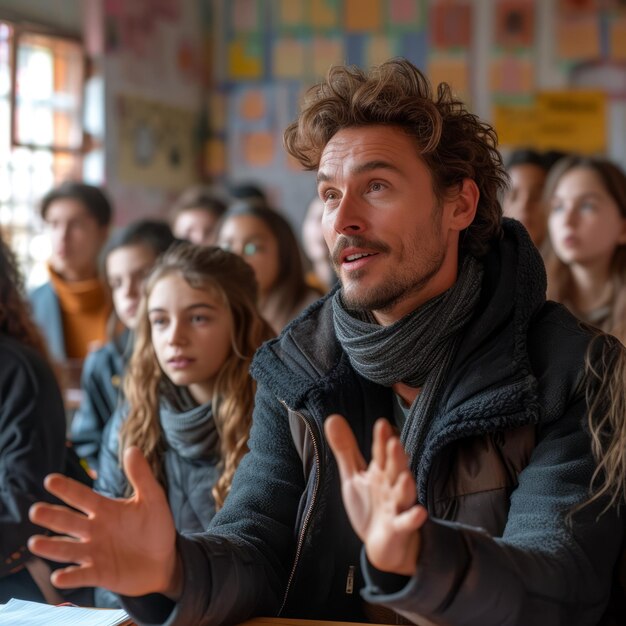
[
  {"x": 140, "y": 476},
  {"x": 60, "y": 549},
  {"x": 382, "y": 432},
  {"x": 76, "y": 576},
  {"x": 404, "y": 491},
  {"x": 73, "y": 493},
  {"x": 344, "y": 446},
  {"x": 397, "y": 461},
  {"x": 411, "y": 520},
  {"x": 59, "y": 519}
]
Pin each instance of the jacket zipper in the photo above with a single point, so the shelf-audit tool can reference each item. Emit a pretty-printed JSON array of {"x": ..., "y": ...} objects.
[{"x": 307, "y": 517}]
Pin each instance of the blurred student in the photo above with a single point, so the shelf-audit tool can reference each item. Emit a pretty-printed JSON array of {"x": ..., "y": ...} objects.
[
  {"x": 188, "y": 394},
  {"x": 587, "y": 224},
  {"x": 196, "y": 215},
  {"x": 266, "y": 241},
  {"x": 523, "y": 201},
  {"x": 72, "y": 309},
  {"x": 247, "y": 190},
  {"x": 129, "y": 256},
  {"x": 32, "y": 440},
  {"x": 314, "y": 246}
]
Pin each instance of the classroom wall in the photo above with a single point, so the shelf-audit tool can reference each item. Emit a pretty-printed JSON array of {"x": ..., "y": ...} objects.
[{"x": 515, "y": 62}]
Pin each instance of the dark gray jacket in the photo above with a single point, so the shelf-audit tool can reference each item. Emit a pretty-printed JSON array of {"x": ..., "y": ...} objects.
[
  {"x": 101, "y": 384},
  {"x": 506, "y": 459}
]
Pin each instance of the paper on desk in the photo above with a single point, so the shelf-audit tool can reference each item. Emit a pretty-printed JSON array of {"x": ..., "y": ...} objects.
[{"x": 37, "y": 614}]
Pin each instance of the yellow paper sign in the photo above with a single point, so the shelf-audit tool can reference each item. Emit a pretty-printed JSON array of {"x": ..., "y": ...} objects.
[{"x": 573, "y": 121}]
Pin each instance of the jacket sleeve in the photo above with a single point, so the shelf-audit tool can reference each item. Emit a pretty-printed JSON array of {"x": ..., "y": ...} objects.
[
  {"x": 95, "y": 409},
  {"x": 548, "y": 568},
  {"x": 238, "y": 568},
  {"x": 111, "y": 479},
  {"x": 32, "y": 444}
]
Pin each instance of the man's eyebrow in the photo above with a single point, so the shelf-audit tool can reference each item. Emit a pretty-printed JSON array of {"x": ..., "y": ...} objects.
[{"x": 322, "y": 177}]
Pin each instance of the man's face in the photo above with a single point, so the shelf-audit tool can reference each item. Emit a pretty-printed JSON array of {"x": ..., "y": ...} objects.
[
  {"x": 76, "y": 239},
  {"x": 391, "y": 241}
]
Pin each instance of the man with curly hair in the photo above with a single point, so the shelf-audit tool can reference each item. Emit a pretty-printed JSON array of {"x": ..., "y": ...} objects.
[{"x": 471, "y": 504}]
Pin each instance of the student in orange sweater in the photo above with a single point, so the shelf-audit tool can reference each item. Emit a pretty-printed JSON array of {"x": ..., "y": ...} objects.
[{"x": 73, "y": 307}]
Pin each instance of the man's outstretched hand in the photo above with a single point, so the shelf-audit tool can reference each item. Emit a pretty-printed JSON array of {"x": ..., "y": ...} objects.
[
  {"x": 125, "y": 545},
  {"x": 379, "y": 498}
]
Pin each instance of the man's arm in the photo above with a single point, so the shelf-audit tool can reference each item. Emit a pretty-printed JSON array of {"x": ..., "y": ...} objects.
[{"x": 544, "y": 569}]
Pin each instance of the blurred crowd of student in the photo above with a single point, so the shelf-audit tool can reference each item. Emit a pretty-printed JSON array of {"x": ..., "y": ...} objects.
[{"x": 158, "y": 321}]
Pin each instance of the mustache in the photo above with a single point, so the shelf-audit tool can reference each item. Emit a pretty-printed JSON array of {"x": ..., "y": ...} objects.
[{"x": 356, "y": 241}]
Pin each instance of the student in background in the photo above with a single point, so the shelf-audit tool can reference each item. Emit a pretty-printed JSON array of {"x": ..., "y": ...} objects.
[
  {"x": 72, "y": 309},
  {"x": 323, "y": 275},
  {"x": 523, "y": 200},
  {"x": 32, "y": 440},
  {"x": 129, "y": 256},
  {"x": 189, "y": 396},
  {"x": 196, "y": 214},
  {"x": 266, "y": 241},
  {"x": 246, "y": 190},
  {"x": 586, "y": 264}
]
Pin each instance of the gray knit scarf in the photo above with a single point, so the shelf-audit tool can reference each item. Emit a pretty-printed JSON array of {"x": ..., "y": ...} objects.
[{"x": 416, "y": 350}]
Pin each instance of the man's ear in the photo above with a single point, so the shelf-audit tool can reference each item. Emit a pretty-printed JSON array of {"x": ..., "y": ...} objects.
[{"x": 464, "y": 205}]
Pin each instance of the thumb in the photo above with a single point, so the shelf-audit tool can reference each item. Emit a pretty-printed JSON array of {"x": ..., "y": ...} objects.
[
  {"x": 139, "y": 473},
  {"x": 344, "y": 446}
]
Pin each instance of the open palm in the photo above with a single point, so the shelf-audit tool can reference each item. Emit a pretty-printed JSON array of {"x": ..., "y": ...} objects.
[
  {"x": 125, "y": 545},
  {"x": 379, "y": 498}
]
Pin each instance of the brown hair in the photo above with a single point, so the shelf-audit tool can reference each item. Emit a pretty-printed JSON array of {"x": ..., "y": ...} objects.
[
  {"x": 15, "y": 320},
  {"x": 453, "y": 143},
  {"x": 559, "y": 274},
  {"x": 231, "y": 278}
]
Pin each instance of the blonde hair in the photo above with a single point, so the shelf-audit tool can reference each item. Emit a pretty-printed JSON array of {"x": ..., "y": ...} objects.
[
  {"x": 605, "y": 393},
  {"x": 560, "y": 280},
  {"x": 230, "y": 277}
]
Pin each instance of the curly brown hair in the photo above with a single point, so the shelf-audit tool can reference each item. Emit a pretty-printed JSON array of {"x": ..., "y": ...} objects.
[
  {"x": 15, "y": 319},
  {"x": 453, "y": 143},
  {"x": 231, "y": 278}
]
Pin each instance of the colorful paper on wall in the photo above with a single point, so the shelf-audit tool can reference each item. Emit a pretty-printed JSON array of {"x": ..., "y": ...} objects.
[
  {"x": 245, "y": 16},
  {"x": 578, "y": 38},
  {"x": 451, "y": 69},
  {"x": 405, "y": 14},
  {"x": 155, "y": 143},
  {"x": 451, "y": 23},
  {"x": 379, "y": 48},
  {"x": 324, "y": 14},
  {"x": 258, "y": 149},
  {"x": 512, "y": 75},
  {"x": 363, "y": 15},
  {"x": 291, "y": 14},
  {"x": 289, "y": 58},
  {"x": 617, "y": 39},
  {"x": 245, "y": 59},
  {"x": 327, "y": 51},
  {"x": 215, "y": 155},
  {"x": 515, "y": 23}
]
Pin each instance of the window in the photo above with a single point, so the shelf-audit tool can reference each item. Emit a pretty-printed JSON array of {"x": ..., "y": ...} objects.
[{"x": 41, "y": 139}]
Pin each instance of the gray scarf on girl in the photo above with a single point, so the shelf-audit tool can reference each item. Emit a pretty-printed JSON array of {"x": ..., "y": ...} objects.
[
  {"x": 416, "y": 350},
  {"x": 188, "y": 428}
]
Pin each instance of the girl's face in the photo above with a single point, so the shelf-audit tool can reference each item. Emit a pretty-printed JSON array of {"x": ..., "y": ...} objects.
[
  {"x": 191, "y": 331},
  {"x": 126, "y": 269},
  {"x": 585, "y": 222},
  {"x": 251, "y": 239}
]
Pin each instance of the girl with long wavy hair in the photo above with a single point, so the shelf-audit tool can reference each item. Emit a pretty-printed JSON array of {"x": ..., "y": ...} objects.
[
  {"x": 586, "y": 264},
  {"x": 188, "y": 394}
]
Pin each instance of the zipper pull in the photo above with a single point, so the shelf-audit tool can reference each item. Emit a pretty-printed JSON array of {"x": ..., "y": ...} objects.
[{"x": 350, "y": 580}]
